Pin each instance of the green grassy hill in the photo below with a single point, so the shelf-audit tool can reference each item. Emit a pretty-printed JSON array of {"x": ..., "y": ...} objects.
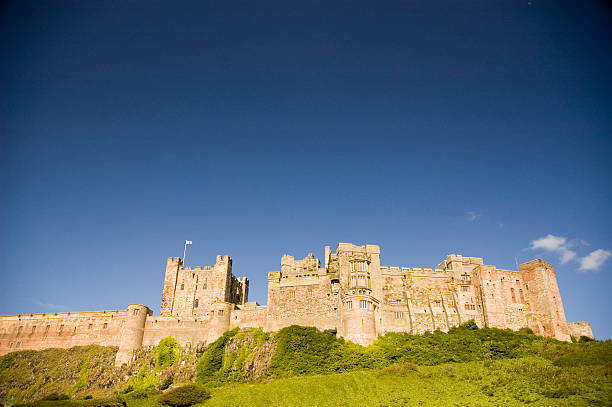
[{"x": 300, "y": 366}]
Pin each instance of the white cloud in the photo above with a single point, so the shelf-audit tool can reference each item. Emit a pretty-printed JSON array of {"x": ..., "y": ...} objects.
[
  {"x": 557, "y": 244},
  {"x": 471, "y": 216},
  {"x": 50, "y": 307},
  {"x": 594, "y": 260}
]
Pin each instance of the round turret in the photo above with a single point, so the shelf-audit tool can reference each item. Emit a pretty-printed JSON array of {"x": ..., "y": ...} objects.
[
  {"x": 220, "y": 320},
  {"x": 359, "y": 319},
  {"x": 132, "y": 332}
]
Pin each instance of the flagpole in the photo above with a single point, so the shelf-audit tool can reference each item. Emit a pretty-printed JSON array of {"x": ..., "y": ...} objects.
[{"x": 184, "y": 252}]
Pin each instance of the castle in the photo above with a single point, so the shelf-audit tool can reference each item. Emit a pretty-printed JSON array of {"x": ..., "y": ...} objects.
[{"x": 352, "y": 293}]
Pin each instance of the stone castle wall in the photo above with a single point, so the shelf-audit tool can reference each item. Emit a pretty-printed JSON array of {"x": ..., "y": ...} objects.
[{"x": 352, "y": 293}]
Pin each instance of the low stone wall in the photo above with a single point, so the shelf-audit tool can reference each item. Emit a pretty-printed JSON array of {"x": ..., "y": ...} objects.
[{"x": 60, "y": 330}]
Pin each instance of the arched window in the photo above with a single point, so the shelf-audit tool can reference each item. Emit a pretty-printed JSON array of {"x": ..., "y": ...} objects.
[
  {"x": 195, "y": 304},
  {"x": 513, "y": 295}
]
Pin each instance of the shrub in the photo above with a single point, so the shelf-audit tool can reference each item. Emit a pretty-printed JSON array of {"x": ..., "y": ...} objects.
[
  {"x": 166, "y": 353},
  {"x": 82, "y": 381},
  {"x": 7, "y": 360},
  {"x": 211, "y": 360},
  {"x": 167, "y": 382},
  {"x": 586, "y": 339},
  {"x": 184, "y": 396}
]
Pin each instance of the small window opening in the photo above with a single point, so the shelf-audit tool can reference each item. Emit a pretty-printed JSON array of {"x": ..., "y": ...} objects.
[
  {"x": 105, "y": 326},
  {"x": 196, "y": 303},
  {"x": 182, "y": 286}
]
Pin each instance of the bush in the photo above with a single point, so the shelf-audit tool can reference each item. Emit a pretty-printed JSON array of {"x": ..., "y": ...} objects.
[
  {"x": 184, "y": 396},
  {"x": 211, "y": 360},
  {"x": 166, "y": 353},
  {"x": 586, "y": 339},
  {"x": 7, "y": 360},
  {"x": 167, "y": 382}
]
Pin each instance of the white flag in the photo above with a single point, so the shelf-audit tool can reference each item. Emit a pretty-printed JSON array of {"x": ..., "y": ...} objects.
[{"x": 188, "y": 242}]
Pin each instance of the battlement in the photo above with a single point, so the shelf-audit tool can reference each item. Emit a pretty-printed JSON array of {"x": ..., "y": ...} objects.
[
  {"x": 410, "y": 270},
  {"x": 308, "y": 266},
  {"x": 349, "y": 247}
]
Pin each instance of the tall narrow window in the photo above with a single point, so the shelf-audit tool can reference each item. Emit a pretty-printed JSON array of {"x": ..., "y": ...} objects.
[
  {"x": 349, "y": 305},
  {"x": 105, "y": 326},
  {"x": 195, "y": 304},
  {"x": 182, "y": 286},
  {"x": 513, "y": 295},
  {"x": 521, "y": 295}
]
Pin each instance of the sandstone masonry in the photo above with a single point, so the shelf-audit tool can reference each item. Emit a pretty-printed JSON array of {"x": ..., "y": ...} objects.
[{"x": 352, "y": 293}]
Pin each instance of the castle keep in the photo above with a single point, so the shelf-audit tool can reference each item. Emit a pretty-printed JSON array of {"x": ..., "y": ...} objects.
[{"x": 351, "y": 293}]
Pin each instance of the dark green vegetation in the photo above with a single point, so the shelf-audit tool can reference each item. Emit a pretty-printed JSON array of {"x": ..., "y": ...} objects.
[
  {"x": 301, "y": 366},
  {"x": 184, "y": 396}
]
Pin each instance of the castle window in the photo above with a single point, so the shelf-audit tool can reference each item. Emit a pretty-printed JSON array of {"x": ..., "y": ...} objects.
[
  {"x": 470, "y": 307},
  {"x": 33, "y": 328},
  {"x": 398, "y": 302},
  {"x": 182, "y": 286},
  {"x": 90, "y": 326},
  {"x": 465, "y": 288},
  {"x": 220, "y": 312},
  {"x": 136, "y": 311},
  {"x": 512, "y": 293},
  {"x": 437, "y": 304},
  {"x": 47, "y": 328},
  {"x": 349, "y": 305},
  {"x": 363, "y": 304},
  {"x": 105, "y": 326},
  {"x": 19, "y": 330},
  {"x": 359, "y": 266},
  {"x": 335, "y": 285},
  {"x": 291, "y": 294},
  {"x": 195, "y": 304},
  {"x": 521, "y": 294},
  {"x": 61, "y": 328},
  {"x": 18, "y": 345},
  {"x": 399, "y": 315},
  {"x": 204, "y": 286}
]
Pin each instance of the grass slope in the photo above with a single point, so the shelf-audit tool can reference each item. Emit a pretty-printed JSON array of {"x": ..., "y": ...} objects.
[{"x": 301, "y": 366}]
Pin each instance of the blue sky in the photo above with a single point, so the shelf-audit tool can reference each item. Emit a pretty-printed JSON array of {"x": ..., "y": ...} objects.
[{"x": 257, "y": 129}]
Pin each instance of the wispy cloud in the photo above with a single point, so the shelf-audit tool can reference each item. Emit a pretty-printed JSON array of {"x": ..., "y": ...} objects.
[
  {"x": 556, "y": 244},
  {"x": 472, "y": 216},
  {"x": 50, "y": 306},
  {"x": 594, "y": 260}
]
